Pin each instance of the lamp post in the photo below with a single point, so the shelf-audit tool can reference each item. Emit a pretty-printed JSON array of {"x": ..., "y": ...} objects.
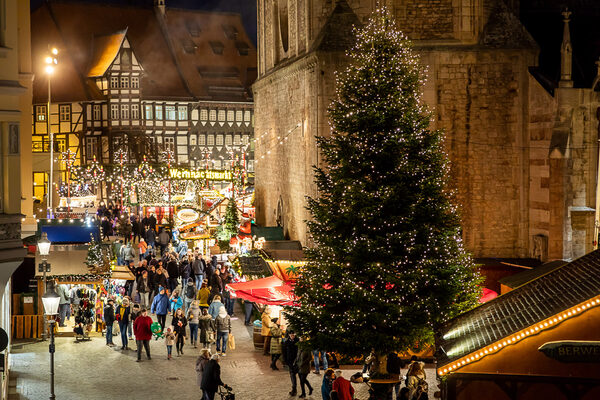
[
  {"x": 51, "y": 62},
  {"x": 51, "y": 300},
  {"x": 44, "y": 249}
]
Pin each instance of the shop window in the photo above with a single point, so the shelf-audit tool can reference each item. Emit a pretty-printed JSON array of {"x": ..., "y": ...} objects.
[
  {"x": 170, "y": 113},
  {"x": 182, "y": 112},
  {"x": 64, "y": 112},
  {"x": 97, "y": 112},
  {"x": 149, "y": 109},
  {"x": 40, "y": 113}
]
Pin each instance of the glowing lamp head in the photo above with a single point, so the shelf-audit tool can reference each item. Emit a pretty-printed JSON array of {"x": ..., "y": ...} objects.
[
  {"x": 51, "y": 300},
  {"x": 44, "y": 245},
  {"x": 48, "y": 60},
  {"x": 54, "y": 51},
  {"x": 49, "y": 69}
]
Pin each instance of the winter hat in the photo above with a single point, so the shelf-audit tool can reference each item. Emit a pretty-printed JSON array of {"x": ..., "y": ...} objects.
[
  {"x": 160, "y": 289},
  {"x": 222, "y": 312}
]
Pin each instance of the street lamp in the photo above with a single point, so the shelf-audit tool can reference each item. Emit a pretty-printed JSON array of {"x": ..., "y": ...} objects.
[
  {"x": 44, "y": 249},
  {"x": 51, "y": 62},
  {"x": 51, "y": 299}
]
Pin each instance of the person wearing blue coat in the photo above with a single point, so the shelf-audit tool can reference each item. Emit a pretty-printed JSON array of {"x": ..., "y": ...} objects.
[
  {"x": 160, "y": 307},
  {"x": 176, "y": 301},
  {"x": 214, "y": 307}
]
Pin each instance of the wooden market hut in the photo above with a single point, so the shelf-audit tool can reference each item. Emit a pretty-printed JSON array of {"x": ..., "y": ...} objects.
[{"x": 539, "y": 340}]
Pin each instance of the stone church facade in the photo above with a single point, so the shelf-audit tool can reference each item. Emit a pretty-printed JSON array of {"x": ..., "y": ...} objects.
[{"x": 523, "y": 155}]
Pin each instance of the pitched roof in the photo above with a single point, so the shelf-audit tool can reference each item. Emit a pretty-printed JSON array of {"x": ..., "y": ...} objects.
[
  {"x": 538, "y": 300},
  {"x": 170, "y": 57},
  {"x": 105, "y": 49},
  {"x": 516, "y": 280}
]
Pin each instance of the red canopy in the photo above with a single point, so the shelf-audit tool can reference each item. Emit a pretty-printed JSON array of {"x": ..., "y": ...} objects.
[
  {"x": 271, "y": 290},
  {"x": 487, "y": 295}
]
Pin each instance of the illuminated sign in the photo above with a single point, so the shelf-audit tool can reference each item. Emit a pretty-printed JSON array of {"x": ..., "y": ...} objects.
[
  {"x": 210, "y": 174},
  {"x": 187, "y": 215},
  {"x": 209, "y": 194}
]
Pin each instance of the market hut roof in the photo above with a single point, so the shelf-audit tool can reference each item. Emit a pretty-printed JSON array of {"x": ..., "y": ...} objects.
[{"x": 567, "y": 290}]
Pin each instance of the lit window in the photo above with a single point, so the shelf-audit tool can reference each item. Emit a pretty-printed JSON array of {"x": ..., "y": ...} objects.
[
  {"x": 245, "y": 139},
  {"x": 170, "y": 113},
  {"x": 202, "y": 140},
  {"x": 114, "y": 82},
  {"x": 135, "y": 82},
  {"x": 230, "y": 115},
  {"x": 228, "y": 140},
  {"x": 246, "y": 116},
  {"x": 204, "y": 115},
  {"x": 40, "y": 113},
  {"x": 169, "y": 143},
  {"x": 182, "y": 113},
  {"x": 64, "y": 112},
  {"x": 219, "y": 140},
  {"x": 97, "y": 112},
  {"x": 221, "y": 115},
  {"x": 40, "y": 185},
  {"x": 239, "y": 116},
  {"x": 149, "y": 109},
  {"x": 159, "y": 111},
  {"x": 237, "y": 140},
  {"x": 124, "y": 111},
  {"x": 135, "y": 111},
  {"x": 114, "y": 111},
  {"x": 124, "y": 82},
  {"x": 210, "y": 140},
  {"x": 212, "y": 115}
]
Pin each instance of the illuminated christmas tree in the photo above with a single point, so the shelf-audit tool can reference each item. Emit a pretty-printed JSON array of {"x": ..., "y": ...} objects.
[{"x": 388, "y": 266}]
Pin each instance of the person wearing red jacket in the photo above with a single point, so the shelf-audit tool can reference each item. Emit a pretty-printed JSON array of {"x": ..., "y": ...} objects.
[
  {"x": 143, "y": 333},
  {"x": 343, "y": 387}
]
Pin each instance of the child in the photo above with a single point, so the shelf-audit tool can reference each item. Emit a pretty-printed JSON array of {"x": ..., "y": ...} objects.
[{"x": 169, "y": 340}]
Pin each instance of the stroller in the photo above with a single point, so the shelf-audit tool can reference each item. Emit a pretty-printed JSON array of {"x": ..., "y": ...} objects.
[{"x": 226, "y": 394}]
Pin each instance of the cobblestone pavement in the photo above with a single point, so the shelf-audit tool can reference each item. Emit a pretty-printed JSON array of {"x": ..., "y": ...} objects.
[{"x": 91, "y": 370}]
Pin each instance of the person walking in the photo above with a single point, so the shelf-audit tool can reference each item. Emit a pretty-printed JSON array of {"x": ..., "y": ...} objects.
[
  {"x": 198, "y": 270},
  {"x": 202, "y": 295},
  {"x": 163, "y": 240},
  {"x": 189, "y": 294},
  {"x": 150, "y": 236},
  {"x": 117, "y": 251},
  {"x": 201, "y": 362},
  {"x": 175, "y": 302},
  {"x": 275, "y": 343},
  {"x": 265, "y": 330},
  {"x": 290, "y": 353},
  {"x": 415, "y": 373},
  {"x": 160, "y": 306},
  {"x": 216, "y": 285},
  {"x": 169, "y": 341},
  {"x": 207, "y": 328},
  {"x": 143, "y": 288},
  {"x": 303, "y": 364},
  {"x": 136, "y": 229},
  {"x": 248, "y": 307},
  {"x": 223, "y": 328},
  {"x": 64, "y": 302},
  {"x": 127, "y": 254},
  {"x": 173, "y": 272},
  {"x": 215, "y": 306},
  {"x": 159, "y": 279},
  {"x": 316, "y": 360},
  {"x": 109, "y": 319},
  {"x": 143, "y": 333},
  {"x": 211, "y": 378},
  {"x": 327, "y": 384},
  {"x": 179, "y": 323},
  {"x": 193, "y": 321},
  {"x": 342, "y": 386},
  {"x": 142, "y": 249},
  {"x": 124, "y": 316}
]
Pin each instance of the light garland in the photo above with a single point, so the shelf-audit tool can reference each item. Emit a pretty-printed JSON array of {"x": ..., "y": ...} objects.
[{"x": 516, "y": 337}]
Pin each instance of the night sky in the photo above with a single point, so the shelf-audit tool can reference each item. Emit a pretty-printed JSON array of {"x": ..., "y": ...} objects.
[{"x": 245, "y": 7}]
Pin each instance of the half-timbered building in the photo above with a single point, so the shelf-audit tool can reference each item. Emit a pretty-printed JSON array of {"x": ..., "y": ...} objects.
[{"x": 141, "y": 79}]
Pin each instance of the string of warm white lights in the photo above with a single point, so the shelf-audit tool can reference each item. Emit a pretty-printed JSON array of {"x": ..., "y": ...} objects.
[
  {"x": 279, "y": 140},
  {"x": 516, "y": 337}
]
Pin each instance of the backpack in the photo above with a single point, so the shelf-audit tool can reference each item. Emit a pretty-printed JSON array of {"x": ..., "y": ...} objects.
[{"x": 190, "y": 292}]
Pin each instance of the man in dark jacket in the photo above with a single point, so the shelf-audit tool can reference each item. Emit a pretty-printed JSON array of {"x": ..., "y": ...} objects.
[
  {"x": 109, "y": 319},
  {"x": 198, "y": 270},
  {"x": 151, "y": 238},
  {"x": 290, "y": 352},
  {"x": 152, "y": 222},
  {"x": 393, "y": 366},
  {"x": 173, "y": 271},
  {"x": 143, "y": 288},
  {"x": 211, "y": 378},
  {"x": 216, "y": 284},
  {"x": 135, "y": 228}
]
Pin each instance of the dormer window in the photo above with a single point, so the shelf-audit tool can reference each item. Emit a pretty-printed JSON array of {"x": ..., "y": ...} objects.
[
  {"x": 242, "y": 48},
  {"x": 189, "y": 47},
  {"x": 231, "y": 32},
  {"x": 193, "y": 29},
  {"x": 217, "y": 47}
]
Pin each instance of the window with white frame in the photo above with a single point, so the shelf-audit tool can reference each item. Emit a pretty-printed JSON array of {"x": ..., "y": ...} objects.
[
  {"x": 204, "y": 115},
  {"x": 169, "y": 143},
  {"x": 237, "y": 140},
  {"x": 247, "y": 116},
  {"x": 135, "y": 82},
  {"x": 245, "y": 140},
  {"x": 182, "y": 112},
  {"x": 97, "y": 112},
  {"x": 149, "y": 111},
  {"x": 114, "y": 111},
  {"x": 124, "y": 111},
  {"x": 219, "y": 140},
  {"x": 40, "y": 113},
  {"x": 239, "y": 116},
  {"x": 230, "y": 115},
  {"x": 202, "y": 140},
  {"x": 135, "y": 111},
  {"x": 170, "y": 113},
  {"x": 221, "y": 116},
  {"x": 159, "y": 111},
  {"x": 114, "y": 82},
  {"x": 124, "y": 82},
  {"x": 212, "y": 115},
  {"x": 228, "y": 140},
  {"x": 91, "y": 147},
  {"x": 64, "y": 112},
  {"x": 210, "y": 140}
]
